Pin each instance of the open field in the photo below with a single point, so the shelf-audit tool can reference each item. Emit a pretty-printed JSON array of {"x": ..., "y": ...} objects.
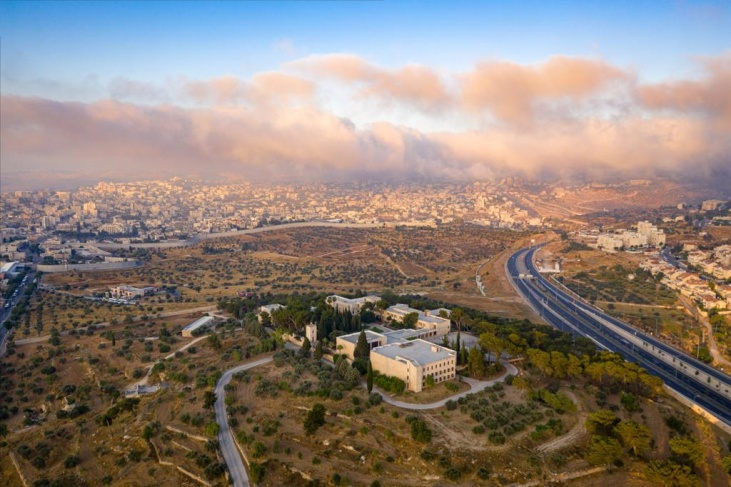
[{"x": 440, "y": 262}]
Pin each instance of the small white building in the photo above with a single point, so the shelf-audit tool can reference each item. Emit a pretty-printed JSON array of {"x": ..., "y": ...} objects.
[
  {"x": 198, "y": 324},
  {"x": 269, "y": 309},
  {"x": 131, "y": 292}
]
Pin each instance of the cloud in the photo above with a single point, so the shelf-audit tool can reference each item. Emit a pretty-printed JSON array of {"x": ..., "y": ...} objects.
[
  {"x": 565, "y": 117},
  {"x": 708, "y": 96},
  {"x": 264, "y": 88},
  {"x": 512, "y": 92},
  {"x": 305, "y": 142},
  {"x": 413, "y": 84},
  {"x": 124, "y": 88}
]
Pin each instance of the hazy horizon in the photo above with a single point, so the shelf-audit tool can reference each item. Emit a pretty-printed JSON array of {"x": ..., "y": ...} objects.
[{"x": 314, "y": 92}]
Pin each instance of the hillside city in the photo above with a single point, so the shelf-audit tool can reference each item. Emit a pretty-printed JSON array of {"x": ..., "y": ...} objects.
[{"x": 155, "y": 210}]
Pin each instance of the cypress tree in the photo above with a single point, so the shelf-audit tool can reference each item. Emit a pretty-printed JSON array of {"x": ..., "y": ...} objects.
[
  {"x": 369, "y": 377},
  {"x": 361, "y": 348},
  {"x": 318, "y": 350},
  {"x": 457, "y": 349}
]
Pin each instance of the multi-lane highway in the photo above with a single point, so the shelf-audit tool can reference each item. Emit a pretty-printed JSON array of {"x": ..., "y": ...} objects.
[
  {"x": 704, "y": 385},
  {"x": 7, "y": 309}
]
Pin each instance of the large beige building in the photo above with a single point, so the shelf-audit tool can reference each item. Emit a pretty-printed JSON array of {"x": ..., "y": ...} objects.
[
  {"x": 413, "y": 361},
  {"x": 346, "y": 344},
  {"x": 436, "y": 325},
  {"x": 655, "y": 236},
  {"x": 402, "y": 354}
]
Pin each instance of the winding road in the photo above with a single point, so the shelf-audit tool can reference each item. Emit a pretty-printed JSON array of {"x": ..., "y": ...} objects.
[
  {"x": 475, "y": 386},
  {"x": 233, "y": 457},
  {"x": 230, "y": 451}
]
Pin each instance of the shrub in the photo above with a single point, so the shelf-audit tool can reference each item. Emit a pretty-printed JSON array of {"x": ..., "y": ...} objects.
[
  {"x": 390, "y": 384},
  {"x": 420, "y": 431},
  {"x": 71, "y": 461}
]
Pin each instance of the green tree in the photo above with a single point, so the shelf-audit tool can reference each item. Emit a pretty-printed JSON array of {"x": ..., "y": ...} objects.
[
  {"x": 667, "y": 473},
  {"x": 602, "y": 422},
  {"x": 492, "y": 344},
  {"x": 212, "y": 429},
  {"x": 476, "y": 363},
  {"x": 71, "y": 461},
  {"x": 420, "y": 431},
  {"x": 603, "y": 451},
  {"x": 318, "y": 350},
  {"x": 361, "y": 348},
  {"x": 209, "y": 399},
  {"x": 459, "y": 318},
  {"x": 215, "y": 341},
  {"x": 265, "y": 318},
  {"x": 257, "y": 471},
  {"x": 369, "y": 377},
  {"x": 314, "y": 419},
  {"x": 457, "y": 349},
  {"x": 410, "y": 319},
  {"x": 258, "y": 450},
  {"x": 726, "y": 462},
  {"x": 306, "y": 347},
  {"x": 635, "y": 436},
  {"x": 687, "y": 450}
]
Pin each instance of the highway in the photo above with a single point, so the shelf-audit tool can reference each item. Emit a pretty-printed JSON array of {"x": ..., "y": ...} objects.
[
  {"x": 700, "y": 383},
  {"x": 231, "y": 454},
  {"x": 6, "y": 312}
]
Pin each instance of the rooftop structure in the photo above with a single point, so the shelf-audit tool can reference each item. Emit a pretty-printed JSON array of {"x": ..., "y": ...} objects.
[
  {"x": 438, "y": 326},
  {"x": 130, "y": 292},
  {"x": 198, "y": 324},
  {"x": 353, "y": 305},
  {"x": 269, "y": 309},
  {"x": 346, "y": 344}
]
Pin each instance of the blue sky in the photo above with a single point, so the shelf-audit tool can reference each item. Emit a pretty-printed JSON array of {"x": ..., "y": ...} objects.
[
  {"x": 68, "y": 41},
  {"x": 448, "y": 89}
]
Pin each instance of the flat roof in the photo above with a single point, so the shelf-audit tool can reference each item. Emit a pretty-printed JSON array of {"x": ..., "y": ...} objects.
[
  {"x": 418, "y": 351},
  {"x": 433, "y": 319},
  {"x": 400, "y": 336},
  {"x": 371, "y": 336},
  {"x": 362, "y": 299},
  {"x": 435, "y": 312}
]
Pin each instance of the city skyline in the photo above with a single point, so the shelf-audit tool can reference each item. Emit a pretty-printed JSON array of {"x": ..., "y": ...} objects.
[{"x": 335, "y": 91}]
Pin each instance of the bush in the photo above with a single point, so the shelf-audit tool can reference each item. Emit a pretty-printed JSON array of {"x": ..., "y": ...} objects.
[
  {"x": 71, "y": 461},
  {"x": 393, "y": 385},
  {"x": 374, "y": 399},
  {"x": 420, "y": 431},
  {"x": 452, "y": 474},
  {"x": 258, "y": 450},
  {"x": 314, "y": 419},
  {"x": 256, "y": 471}
]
